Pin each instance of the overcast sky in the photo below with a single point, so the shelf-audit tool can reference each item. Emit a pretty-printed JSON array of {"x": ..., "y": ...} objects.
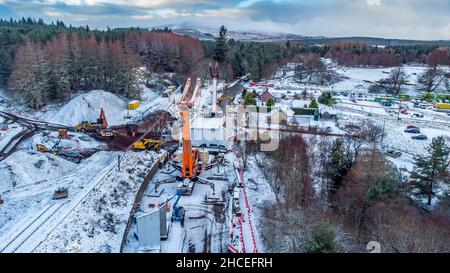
[{"x": 410, "y": 19}]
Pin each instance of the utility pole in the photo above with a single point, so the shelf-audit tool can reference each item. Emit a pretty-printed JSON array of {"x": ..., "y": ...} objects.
[{"x": 382, "y": 134}]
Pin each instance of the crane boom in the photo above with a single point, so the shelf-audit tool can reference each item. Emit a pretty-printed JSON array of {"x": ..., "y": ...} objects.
[
  {"x": 190, "y": 157},
  {"x": 198, "y": 84},
  {"x": 187, "y": 86}
]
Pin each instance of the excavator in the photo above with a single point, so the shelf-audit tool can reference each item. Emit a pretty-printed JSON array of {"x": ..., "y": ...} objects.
[
  {"x": 84, "y": 126},
  {"x": 105, "y": 132},
  {"x": 54, "y": 150},
  {"x": 148, "y": 144},
  {"x": 101, "y": 126}
]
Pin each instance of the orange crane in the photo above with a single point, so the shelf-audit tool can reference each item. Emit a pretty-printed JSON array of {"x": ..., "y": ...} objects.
[
  {"x": 184, "y": 96},
  {"x": 190, "y": 156}
]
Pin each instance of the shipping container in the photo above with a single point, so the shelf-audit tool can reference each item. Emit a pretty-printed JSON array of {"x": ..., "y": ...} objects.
[{"x": 133, "y": 105}]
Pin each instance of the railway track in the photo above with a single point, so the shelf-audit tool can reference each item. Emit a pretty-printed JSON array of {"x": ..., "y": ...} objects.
[{"x": 27, "y": 232}]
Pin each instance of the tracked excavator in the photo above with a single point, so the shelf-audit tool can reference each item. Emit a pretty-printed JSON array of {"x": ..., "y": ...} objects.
[
  {"x": 101, "y": 127},
  {"x": 104, "y": 132},
  {"x": 148, "y": 144}
]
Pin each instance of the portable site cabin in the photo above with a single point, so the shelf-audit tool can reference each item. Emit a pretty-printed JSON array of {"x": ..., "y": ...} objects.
[
  {"x": 152, "y": 227},
  {"x": 133, "y": 105}
]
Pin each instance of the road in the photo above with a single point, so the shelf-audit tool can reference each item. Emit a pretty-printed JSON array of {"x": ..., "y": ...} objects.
[
  {"x": 31, "y": 127},
  {"x": 430, "y": 123}
]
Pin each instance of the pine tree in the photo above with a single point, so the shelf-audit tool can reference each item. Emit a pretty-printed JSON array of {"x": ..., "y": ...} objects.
[
  {"x": 431, "y": 168},
  {"x": 249, "y": 99},
  {"x": 337, "y": 166},
  {"x": 326, "y": 98},
  {"x": 322, "y": 239},
  {"x": 220, "y": 53},
  {"x": 314, "y": 104},
  {"x": 270, "y": 103}
]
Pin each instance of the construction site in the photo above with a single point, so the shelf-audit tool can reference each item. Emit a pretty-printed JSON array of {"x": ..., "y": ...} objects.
[{"x": 188, "y": 195}]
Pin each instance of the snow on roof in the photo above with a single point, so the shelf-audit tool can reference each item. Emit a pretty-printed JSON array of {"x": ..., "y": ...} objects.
[
  {"x": 207, "y": 123},
  {"x": 265, "y": 96},
  {"x": 288, "y": 111},
  {"x": 327, "y": 109},
  {"x": 299, "y": 103}
]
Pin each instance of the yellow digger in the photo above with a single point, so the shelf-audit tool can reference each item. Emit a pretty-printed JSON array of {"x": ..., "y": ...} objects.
[
  {"x": 54, "y": 150},
  {"x": 148, "y": 144},
  {"x": 84, "y": 126}
]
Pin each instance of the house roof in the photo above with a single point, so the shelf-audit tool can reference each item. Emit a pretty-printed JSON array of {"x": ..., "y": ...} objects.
[
  {"x": 265, "y": 96},
  {"x": 288, "y": 111},
  {"x": 207, "y": 123},
  {"x": 325, "y": 109},
  {"x": 299, "y": 103}
]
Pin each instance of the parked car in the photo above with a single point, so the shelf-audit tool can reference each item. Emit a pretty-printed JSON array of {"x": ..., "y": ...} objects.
[
  {"x": 418, "y": 115},
  {"x": 412, "y": 131},
  {"x": 411, "y": 126},
  {"x": 393, "y": 153},
  {"x": 420, "y": 137}
]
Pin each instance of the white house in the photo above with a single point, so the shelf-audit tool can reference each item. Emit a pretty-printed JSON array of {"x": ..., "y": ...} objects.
[{"x": 209, "y": 132}]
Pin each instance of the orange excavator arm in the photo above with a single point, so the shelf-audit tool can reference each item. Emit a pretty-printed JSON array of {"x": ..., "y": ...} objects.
[
  {"x": 103, "y": 118},
  {"x": 189, "y": 155}
]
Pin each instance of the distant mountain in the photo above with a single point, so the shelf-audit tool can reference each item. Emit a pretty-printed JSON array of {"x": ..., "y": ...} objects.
[{"x": 209, "y": 33}]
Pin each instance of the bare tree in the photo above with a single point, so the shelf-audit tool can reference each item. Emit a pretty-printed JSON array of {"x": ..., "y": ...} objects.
[
  {"x": 432, "y": 79},
  {"x": 397, "y": 78}
]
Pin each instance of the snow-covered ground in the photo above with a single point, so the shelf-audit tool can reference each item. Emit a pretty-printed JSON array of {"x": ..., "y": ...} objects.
[
  {"x": 7, "y": 135},
  {"x": 86, "y": 107},
  {"x": 30, "y": 178},
  {"x": 97, "y": 222}
]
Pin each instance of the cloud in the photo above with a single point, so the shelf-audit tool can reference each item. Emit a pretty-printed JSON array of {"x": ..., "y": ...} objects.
[
  {"x": 373, "y": 2},
  {"x": 417, "y": 19}
]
